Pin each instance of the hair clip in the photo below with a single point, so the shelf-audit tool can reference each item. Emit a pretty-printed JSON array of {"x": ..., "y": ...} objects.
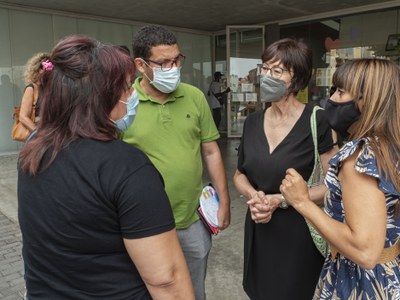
[{"x": 47, "y": 65}]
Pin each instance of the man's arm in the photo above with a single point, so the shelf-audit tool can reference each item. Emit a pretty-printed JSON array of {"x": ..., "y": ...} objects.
[
  {"x": 162, "y": 266},
  {"x": 215, "y": 166},
  {"x": 228, "y": 89},
  {"x": 222, "y": 93}
]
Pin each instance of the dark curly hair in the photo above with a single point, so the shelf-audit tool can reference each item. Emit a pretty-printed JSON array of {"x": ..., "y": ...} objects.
[{"x": 150, "y": 36}]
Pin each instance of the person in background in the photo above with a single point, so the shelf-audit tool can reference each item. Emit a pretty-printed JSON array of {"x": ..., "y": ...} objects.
[
  {"x": 217, "y": 97},
  {"x": 96, "y": 222},
  {"x": 281, "y": 261},
  {"x": 34, "y": 68},
  {"x": 361, "y": 220},
  {"x": 174, "y": 127}
]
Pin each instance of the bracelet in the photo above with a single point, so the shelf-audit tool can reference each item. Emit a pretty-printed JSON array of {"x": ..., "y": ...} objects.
[{"x": 283, "y": 204}]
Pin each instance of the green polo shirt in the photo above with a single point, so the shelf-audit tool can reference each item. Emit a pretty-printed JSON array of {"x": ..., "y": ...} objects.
[{"x": 171, "y": 135}]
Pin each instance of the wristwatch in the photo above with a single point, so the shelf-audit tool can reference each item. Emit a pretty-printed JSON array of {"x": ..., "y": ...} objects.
[{"x": 283, "y": 204}]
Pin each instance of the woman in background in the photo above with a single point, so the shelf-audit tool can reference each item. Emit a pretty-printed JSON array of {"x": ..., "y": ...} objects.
[
  {"x": 361, "y": 220},
  {"x": 34, "y": 67},
  {"x": 95, "y": 220}
]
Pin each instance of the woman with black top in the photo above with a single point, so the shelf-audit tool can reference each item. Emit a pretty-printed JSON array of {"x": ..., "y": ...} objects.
[
  {"x": 280, "y": 259},
  {"x": 96, "y": 222}
]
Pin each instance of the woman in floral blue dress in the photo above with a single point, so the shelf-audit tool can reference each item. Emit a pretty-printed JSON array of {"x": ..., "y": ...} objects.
[{"x": 361, "y": 220}]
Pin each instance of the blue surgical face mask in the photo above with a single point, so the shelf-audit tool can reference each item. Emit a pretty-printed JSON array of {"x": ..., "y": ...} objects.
[
  {"x": 165, "y": 81},
  {"x": 272, "y": 89},
  {"x": 131, "y": 106}
]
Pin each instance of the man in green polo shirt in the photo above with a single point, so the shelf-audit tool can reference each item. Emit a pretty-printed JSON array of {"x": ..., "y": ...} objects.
[{"x": 175, "y": 128}]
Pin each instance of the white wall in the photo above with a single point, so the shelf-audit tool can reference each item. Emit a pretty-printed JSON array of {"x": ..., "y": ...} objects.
[{"x": 24, "y": 33}]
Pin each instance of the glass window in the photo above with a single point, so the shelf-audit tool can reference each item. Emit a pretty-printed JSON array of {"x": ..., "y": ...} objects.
[{"x": 336, "y": 40}]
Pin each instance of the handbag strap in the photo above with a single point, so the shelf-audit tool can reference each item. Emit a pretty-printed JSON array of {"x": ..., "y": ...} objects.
[
  {"x": 35, "y": 94},
  {"x": 35, "y": 99},
  {"x": 314, "y": 133}
]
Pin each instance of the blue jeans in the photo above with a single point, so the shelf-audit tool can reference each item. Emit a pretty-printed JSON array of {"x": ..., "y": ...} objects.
[{"x": 196, "y": 244}]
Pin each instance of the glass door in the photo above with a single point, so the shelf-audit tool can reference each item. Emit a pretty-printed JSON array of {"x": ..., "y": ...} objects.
[{"x": 245, "y": 45}]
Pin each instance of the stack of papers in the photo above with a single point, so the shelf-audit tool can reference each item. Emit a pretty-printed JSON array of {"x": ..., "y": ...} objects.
[{"x": 208, "y": 209}]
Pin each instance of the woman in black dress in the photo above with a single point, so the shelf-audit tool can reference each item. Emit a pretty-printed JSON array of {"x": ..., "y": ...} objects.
[{"x": 280, "y": 259}]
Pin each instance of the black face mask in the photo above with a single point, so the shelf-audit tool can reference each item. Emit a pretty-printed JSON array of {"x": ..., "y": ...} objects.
[{"x": 341, "y": 115}]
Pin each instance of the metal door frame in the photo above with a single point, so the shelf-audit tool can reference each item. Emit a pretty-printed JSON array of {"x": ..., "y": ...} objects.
[{"x": 228, "y": 56}]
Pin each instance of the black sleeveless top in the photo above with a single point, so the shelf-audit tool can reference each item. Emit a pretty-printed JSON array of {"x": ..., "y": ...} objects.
[{"x": 37, "y": 108}]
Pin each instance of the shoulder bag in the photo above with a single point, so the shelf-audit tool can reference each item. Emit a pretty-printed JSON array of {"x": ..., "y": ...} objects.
[
  {"x": 316, "y": 178},
  {"x": 19, "y": 132}
]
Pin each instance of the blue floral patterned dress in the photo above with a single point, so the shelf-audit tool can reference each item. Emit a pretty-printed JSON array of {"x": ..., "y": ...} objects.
[{"x": 340, "y": 278}]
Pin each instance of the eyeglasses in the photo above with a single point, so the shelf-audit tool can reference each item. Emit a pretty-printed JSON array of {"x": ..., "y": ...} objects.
[
  {"x": 167, "y": 65},
  {"x": 276, "y": 72}
]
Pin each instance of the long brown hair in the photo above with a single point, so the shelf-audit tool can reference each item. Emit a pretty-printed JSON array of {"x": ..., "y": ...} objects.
[
  {"x": 375, "y": 86},
  {"x": 78, "y": 95}
]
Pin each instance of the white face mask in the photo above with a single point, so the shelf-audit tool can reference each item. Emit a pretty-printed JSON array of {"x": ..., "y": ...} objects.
[
  {"x": 131, "y": 107},
  {"x": 165, "y": 81}
]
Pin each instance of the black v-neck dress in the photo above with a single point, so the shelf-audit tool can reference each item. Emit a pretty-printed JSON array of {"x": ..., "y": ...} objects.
[{"x": 280, "y": 259}]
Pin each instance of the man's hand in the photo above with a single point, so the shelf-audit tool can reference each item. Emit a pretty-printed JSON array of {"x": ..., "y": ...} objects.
[{"x": 224, "y": 217}]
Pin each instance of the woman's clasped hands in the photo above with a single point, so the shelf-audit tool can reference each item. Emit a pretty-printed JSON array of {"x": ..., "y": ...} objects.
[{"x": 259, "y": 207}]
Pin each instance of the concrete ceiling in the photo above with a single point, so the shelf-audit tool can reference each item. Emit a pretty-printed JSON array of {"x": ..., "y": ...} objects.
[{"x": 205, "y": 15}]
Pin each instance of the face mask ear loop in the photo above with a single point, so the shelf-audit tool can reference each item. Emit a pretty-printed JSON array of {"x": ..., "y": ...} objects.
[
  {"x": 144, "y": 73},
  {"x": 148, "y": 77},
  {"x": 292, "y": 86}
]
